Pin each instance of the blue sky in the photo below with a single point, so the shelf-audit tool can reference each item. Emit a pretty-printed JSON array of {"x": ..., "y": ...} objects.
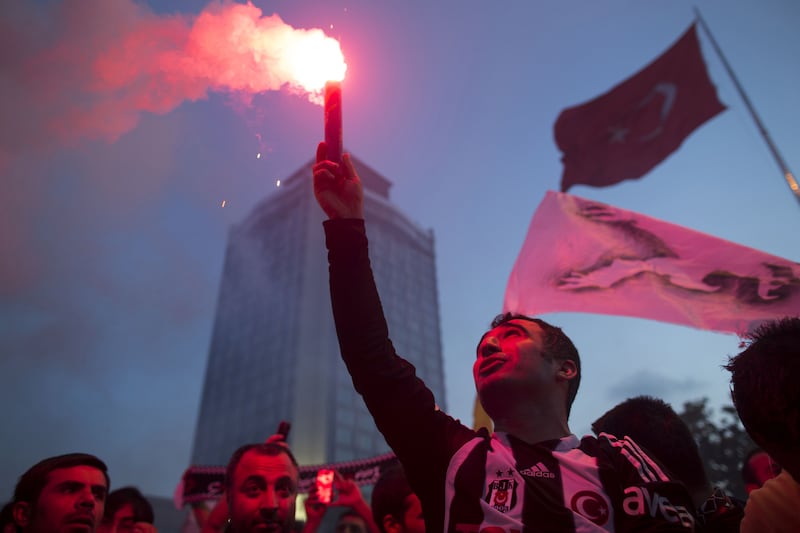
[{"x": 112, "y": 246}]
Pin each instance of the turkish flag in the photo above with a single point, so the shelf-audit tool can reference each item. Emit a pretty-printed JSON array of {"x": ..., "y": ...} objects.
[
  {"x": 624, "y": 133},
  {"x": 588, "y": 257}
]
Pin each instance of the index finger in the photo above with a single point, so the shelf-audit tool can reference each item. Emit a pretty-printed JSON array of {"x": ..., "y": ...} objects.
[{"x": 322, "y": 149}]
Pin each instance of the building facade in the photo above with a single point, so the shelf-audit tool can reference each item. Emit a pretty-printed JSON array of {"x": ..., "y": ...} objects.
[{"x": 274, "y": 354}]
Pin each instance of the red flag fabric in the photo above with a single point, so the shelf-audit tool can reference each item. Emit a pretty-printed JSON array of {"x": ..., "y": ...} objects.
[
  {"x": 588, "y": 257},
  {"x": 624, "y": 133}
]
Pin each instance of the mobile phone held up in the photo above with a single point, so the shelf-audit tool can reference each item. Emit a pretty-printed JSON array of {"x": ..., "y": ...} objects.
[{"x": 325, "y": 485}]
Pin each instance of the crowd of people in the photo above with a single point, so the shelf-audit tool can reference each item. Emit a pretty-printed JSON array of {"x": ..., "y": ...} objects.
[{"x": 641, "y": 470}]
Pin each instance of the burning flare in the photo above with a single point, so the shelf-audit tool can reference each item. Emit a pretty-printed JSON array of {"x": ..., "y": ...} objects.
[
  {"x": 106, "y": 62},
  {"x": 235, "y": 48}
]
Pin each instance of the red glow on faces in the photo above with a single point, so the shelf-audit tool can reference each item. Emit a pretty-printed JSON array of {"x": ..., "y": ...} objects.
[{"x": 511, "y": 351}]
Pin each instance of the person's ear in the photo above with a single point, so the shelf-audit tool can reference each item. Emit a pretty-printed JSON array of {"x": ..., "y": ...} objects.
[
  {"x": 391, "y": 525},
  {"x": 22, "y": 514},
  {"x": 567, "y": 369}
]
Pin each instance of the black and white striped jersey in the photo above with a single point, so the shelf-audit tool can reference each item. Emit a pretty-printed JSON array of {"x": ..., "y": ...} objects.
[
  {"x": 565, "y": 485},
  {"x": 472, "y": 482}
]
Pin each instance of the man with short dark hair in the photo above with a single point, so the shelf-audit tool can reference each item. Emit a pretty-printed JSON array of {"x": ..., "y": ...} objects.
[
  {"x": 395, "y": 507},
  {"x": 654, "y": 425},
  {"x": 66, "y": 493},
  {"x": 532, "y": 473},
  {"x": 261, "y": 488},
  {"x": 765, "y": 389},
  {"x": 127, "y": 511}
]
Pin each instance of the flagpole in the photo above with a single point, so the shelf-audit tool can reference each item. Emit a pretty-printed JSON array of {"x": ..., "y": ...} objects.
[{"x": 787, "y": 174}]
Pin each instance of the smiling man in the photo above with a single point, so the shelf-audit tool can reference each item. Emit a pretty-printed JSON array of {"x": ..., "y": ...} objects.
[
  {"x": 532, "y": 474},
  {"x": 261, "y": 489},
  {"x": 61, "y": 494}
]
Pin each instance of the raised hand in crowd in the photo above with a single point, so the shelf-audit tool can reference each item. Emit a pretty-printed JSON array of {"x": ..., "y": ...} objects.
[{"x": 345, "y": 494}]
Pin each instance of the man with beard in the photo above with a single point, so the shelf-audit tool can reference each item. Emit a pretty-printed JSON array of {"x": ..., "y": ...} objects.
[
  {"x": 261, "y": 489},
  {"x": 66, "y": 493}
]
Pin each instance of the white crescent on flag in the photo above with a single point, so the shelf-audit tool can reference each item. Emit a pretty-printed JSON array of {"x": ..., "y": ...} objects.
[{"x": 588, "y": 257}]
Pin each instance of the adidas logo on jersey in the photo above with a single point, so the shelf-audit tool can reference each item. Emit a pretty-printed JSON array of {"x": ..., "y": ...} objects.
[{"x": 538, "y": 470}]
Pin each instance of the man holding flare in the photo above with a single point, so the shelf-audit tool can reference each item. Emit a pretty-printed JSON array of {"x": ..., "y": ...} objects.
[{"x": 532, "y": 473}]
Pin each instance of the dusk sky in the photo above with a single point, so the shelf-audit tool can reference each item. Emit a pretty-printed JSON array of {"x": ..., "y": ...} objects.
[{"x": 113, "y": 230}]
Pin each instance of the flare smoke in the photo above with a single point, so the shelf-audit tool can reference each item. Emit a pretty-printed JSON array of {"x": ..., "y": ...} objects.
[{"x": 106, "y": 62}]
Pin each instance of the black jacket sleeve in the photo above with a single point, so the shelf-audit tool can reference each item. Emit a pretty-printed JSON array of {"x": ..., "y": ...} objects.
[{"x": 402, "y": 406}]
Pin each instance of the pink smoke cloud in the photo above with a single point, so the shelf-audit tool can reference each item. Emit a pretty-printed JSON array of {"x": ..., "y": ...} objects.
[{"x": 87, "y": 69}]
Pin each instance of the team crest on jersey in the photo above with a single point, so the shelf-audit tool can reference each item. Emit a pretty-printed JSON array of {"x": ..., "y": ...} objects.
[{"x": 502, "y": 494}]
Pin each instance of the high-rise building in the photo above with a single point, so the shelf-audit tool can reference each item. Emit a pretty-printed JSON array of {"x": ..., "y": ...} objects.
[{"x": 274, "y": 353}]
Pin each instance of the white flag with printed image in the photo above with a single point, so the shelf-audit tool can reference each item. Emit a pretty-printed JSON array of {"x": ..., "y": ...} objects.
[{"x": 588, "y": 257}]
